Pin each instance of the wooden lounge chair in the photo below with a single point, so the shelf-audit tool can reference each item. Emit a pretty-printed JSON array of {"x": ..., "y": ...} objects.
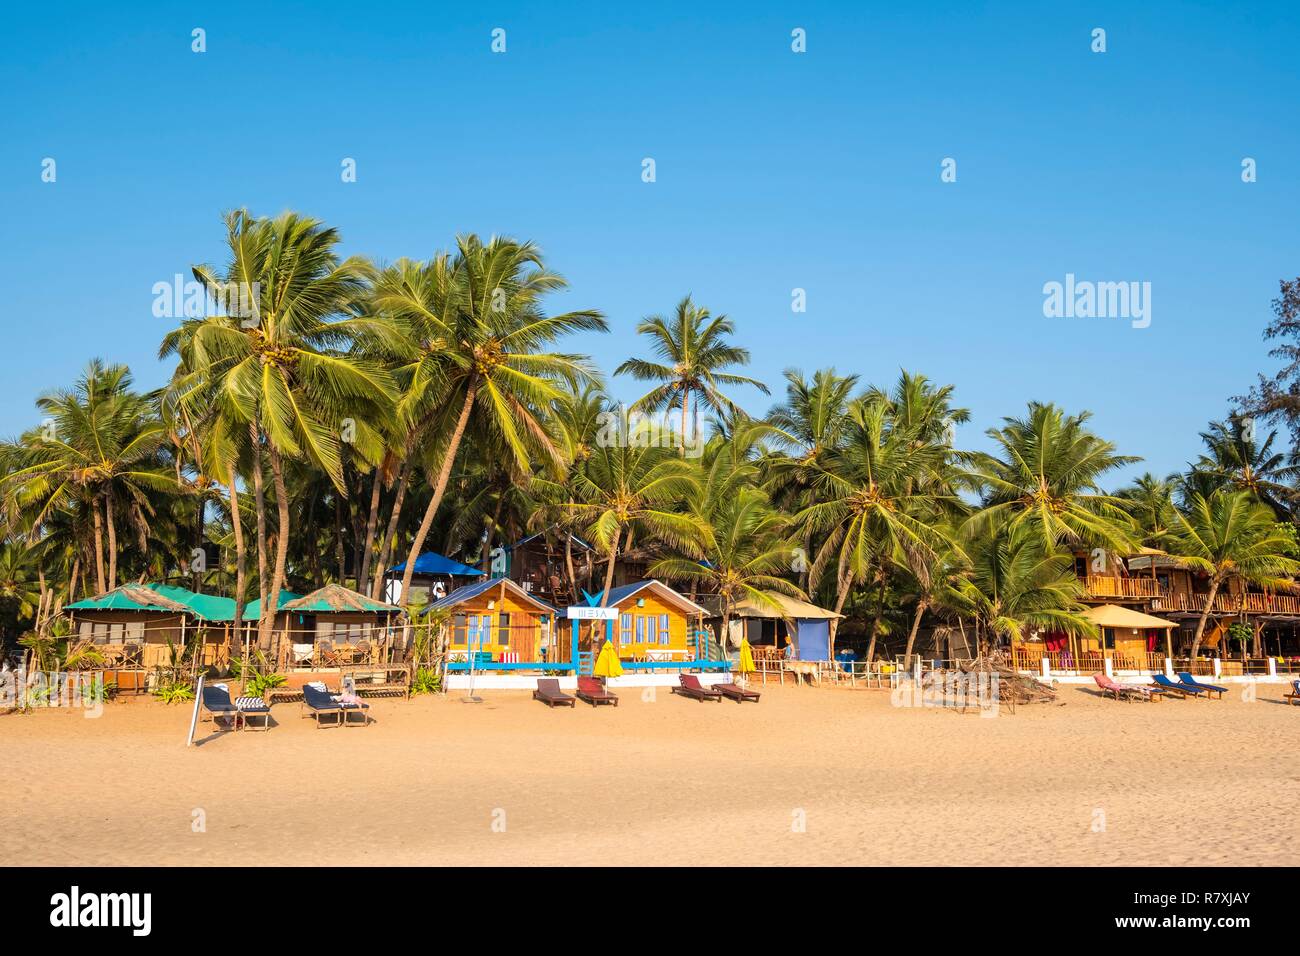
[
  {"x": 549, "y": 693},
  {"x": 594, "y": 692},
  {"x": 1191, "y": 681},
  {"x": 1120, "y": 691},
  {"x": 690, "y": 686},
  {"x": 736, "y": 692},
  {"x": 318, "y": 702},
  {"x": 1294, "y": 696},
  {"x": 1183, "y": 690}
]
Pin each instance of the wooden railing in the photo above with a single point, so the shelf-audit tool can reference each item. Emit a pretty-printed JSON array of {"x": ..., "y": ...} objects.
[
  {"x": 1100, "y": 585},
  {"x": 1251, "y": 603}
]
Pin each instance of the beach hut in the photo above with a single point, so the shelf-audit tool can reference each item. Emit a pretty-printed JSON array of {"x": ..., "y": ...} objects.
[
  {"x": 654, "y": 622},
  {"x": 1127, "y": 636},
  {"x": 436, "y": 575},
  {"x": 770, "y": 628},
  {"x": 331, "y": 626},
  {"x": 137, "y": 627},
  {"x": 501, "y": 623}
]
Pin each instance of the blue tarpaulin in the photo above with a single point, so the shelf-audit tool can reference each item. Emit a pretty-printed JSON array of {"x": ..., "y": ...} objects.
[{"x": 814, "y": 640}]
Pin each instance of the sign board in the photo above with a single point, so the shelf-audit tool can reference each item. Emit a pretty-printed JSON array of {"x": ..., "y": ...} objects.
[{"x": 592, "y": 613}]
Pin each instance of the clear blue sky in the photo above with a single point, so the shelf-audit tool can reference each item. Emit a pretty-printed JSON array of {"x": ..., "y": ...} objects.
[{"x": 775, "y": 171}]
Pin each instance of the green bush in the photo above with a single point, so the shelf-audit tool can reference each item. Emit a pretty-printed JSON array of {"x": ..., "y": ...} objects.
[{"x": 425, "y": 681}]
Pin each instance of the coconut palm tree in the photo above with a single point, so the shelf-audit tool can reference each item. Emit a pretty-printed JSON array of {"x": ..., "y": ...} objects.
[
  {"x": 745, "y": 553},
  {"x": 473, "y": 346},
  {"x": 1018, "y": 583},
  {"x": 1232, "y": 534},
  {"x": 1150, "y": 502},
  {"x": 694, "y": 351},
  {"x": 1234, "y": 458},
  {"x": 283, "y": 368},
  {"x": 1046, "y": 474}
]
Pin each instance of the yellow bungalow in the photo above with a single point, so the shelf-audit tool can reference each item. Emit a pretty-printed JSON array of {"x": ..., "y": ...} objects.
[
  {"x": 654, "y": 622},
  {"x": 501, "y": 622}
]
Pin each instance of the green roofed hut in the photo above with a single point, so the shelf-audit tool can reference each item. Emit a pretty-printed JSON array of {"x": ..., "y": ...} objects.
[
  {"x": 332, "y": 626},
  {"x": 135, "y": 628}
]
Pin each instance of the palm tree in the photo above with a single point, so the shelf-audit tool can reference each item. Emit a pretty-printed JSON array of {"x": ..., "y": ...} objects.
[
  {"x": 938, "y": 574},
  {"x": 629, "y": 484},
  {"x": 745, "y": 554},
  {"x": 283, "y": 371},
  {"x": 1150, "y": 502},
  {"x": 881, "y": 494},
  {"x": 1232, "y": 534},
  {"x": 473, "y": 344},
  {"x": 694, "y": 347},
  {"x": 1234, "y": 458},
  {"x": 1047, "y": 475},
  {"x": 99, "y": 451},
  {"x": 1018, "y": 583}
]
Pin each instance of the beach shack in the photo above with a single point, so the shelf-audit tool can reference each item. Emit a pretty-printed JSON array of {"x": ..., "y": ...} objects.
[
  {"x": 653, "y": 623},
  {"x": 771, "y": 629},
  {"x": 332, "y": 626},
  {"x": 500, "y": 624},
  {"x": 139, "y": 627}
]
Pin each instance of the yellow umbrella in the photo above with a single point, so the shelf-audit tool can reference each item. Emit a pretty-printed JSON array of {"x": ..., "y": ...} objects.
[
  {"x": 607, "y": 664},
  {"x": 746, "y": 657}
]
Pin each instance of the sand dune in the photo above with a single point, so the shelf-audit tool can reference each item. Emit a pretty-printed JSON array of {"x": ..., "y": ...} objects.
[{"x": 435, "y": 781}]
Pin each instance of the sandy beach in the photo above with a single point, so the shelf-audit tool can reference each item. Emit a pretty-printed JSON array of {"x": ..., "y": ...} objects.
[{"x": 663, "y": 781}]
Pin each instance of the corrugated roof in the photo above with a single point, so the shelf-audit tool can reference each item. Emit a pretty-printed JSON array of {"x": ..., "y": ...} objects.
[
  {"x": 461, "y": 595},
  {"x": 167, "y": 598}
]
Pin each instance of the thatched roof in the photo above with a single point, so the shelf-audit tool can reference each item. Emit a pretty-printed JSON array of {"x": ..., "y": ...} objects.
[{"x": 334, "y": 598}]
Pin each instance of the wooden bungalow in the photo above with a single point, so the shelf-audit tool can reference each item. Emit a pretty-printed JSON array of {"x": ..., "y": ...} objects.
[
  {"x": 540, "y": 565},
  {"x": 654, "y": 623},
  {"x": 139, "y": 627},
  {"x": 790, "y": 623},
  {"x": 500, "y": 622}
]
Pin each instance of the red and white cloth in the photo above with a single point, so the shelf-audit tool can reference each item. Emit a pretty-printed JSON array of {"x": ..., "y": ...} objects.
[{"x": 509, "y": 657}]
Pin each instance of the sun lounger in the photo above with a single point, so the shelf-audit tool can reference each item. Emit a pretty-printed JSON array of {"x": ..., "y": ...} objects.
[
  {"x": 1294, "y": 696},
  {"x": 1120, "y": 691},
  {"x": 217, "y": 702},
  {"x": 690, "y": 686},
  {"x": 1181, "y": 689},
  {"x": 594, "y": 692},
  {"x": 318, "y": 702},
  {"x": 549, "y": 693},
  {"x": 1191, "y": 681},
  {"x": 736, "y": 692}
]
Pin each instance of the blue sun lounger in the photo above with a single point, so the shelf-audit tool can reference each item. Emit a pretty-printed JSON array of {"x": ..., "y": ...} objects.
[
  {"x": 1184, "y": 689},
  {"x": 1188, "y": 679}
]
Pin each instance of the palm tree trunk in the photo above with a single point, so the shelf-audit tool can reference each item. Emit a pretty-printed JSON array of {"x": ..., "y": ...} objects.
[
  {"x": 875, "y": 619},
  {"x": 911, "y": 637},
  {"x": 74, "y": 579},
  {"x": 112, "y": 540},
  {"x": 99, "y": 547},
  {"x": 1205, "y": 614},
  {"x": 568, "y": 566},
  {"x": 685, "y": 396},
  {"x": 237, "y": 525},
  {"x": 444, "y": 473},
  {"x": 609, "y": 568},
  {"x": 841, "y": 595},
  {"x": 390, "y": 533},
  {"x": 272, "y": 603},
  {"x": 372, "y": 520},
  {"x": 259, "y": 499}
]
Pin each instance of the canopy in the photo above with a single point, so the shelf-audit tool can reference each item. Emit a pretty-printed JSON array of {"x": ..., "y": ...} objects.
[
  {"x": 160, "y": 597},
  {"x": 1112, "y": 615},
  {"x": 433, "y": 563},
  {"x": 786, "y": 607}
]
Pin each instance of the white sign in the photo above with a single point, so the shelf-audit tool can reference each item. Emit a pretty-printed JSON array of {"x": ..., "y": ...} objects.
[{"x": 592, "y": 613}]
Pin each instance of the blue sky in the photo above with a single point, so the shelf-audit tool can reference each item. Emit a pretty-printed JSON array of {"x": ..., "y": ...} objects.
[{"x": 775, "y": 171}]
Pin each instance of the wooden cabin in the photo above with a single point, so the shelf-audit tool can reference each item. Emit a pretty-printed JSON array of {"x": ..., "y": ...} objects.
[
  {"x": 501, "y": 621},
  {"x": 654, "y": 622},
  {"x": 143, "y": 626},
  {"x": 539, "y": 564}
]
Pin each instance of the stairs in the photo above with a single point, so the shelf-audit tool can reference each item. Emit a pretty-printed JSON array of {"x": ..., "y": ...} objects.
[{"x": 586, "y": 661}]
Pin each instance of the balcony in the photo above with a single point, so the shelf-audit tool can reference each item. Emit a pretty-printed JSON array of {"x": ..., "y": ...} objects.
[
  {"x": 1251, "y": 603},
  {"x": 1104, "y": 586}
]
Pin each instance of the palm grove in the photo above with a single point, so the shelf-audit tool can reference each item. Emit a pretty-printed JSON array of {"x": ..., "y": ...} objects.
[{"x": 357, "y": 415}]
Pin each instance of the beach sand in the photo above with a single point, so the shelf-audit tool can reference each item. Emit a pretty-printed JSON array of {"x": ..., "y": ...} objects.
[{"x": 667, "y": 781}]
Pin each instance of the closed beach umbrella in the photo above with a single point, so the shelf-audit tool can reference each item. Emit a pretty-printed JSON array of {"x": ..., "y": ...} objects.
[
  {"x": 746, "y": 658},
  {"x": 607, "y": 664}
]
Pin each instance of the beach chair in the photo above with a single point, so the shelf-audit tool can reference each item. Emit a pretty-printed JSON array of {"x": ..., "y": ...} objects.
[
  {"x": 689, "y": 686},
  {"x": 318, "y": 702},
  {"x": 1182, "y": 690},
  {"x": 594, "y": 692},
  {"x": 1120, "y": 691},
  {"x": 549, "y": 693},
  {"x": 736, "y": 692},
  {"x": 217, "y": 703},
  {"x": 1294, "y": 696},
  {"x": 1191, "y": 681}
]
